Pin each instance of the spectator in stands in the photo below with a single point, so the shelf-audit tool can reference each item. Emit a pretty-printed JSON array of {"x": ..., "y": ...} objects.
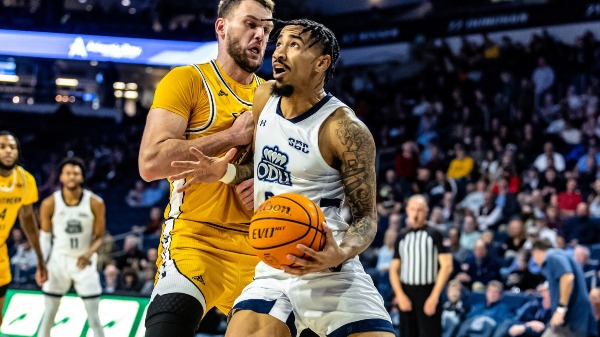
[
  {"x": 490, "y": 213},
  {"x": 131, "y": 251},
  {"x": 581, "y": 229},
  {"x": 154, "y": 224},
  {"x": 475, "y": 198},
  {"x": 479, "y": 267},
  {"x": 407, "y": 162},
  {"x": 454, "y": 309},
  {"x": 490, "y": 167},
  {"x": 397, "y": 188},
  {"x": 531, "y": 319},
  {"x": 385, "y": 254},
  {"x": 24, "y": 263},
  {"x": 542, "y": 78},
  {"x": 432, "y": 158},
  {"x": 553, "y": 219},
  {"x": 15, "y": 240},
  {"x": 569, "y": 199},
  {"x": 111, "y": 279},
  {"x": 470, "y": 234},
  {"x": 549, "y": 159},
  {"x": 506, "y": 200},
  {"x": 592, "y": 156},
  {"x": 438, "y": 188},
  {"x": 543, "y": 232},
  {"x": 493, "y": 306},
  {"x": 581, "y": 254},
  {"x": 459, "y": 253},
  {"x": 462, "y": 165},
  {"x": 129, "y": 280},
  {"x": 531, "y": 180},
  {"x": 437, "y": 220},
  {"x": 148, "y": 280},
  {"x": 551, "y": 183},
  {"x": 570, "y": 305},
  {"x": 517, "y": 235},
  {"x": 135, "y": 197},
  {"x": 387, "y": 203},
  {"x": 520, "y": 278},
  {"x": 594, "y": 200},
  {"x": 154, "y": 194}
]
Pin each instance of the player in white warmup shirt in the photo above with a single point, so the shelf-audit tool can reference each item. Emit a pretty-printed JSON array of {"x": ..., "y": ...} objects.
[
  {"x": 308, "y": 142},
  {"x": 73, "y": 224}
]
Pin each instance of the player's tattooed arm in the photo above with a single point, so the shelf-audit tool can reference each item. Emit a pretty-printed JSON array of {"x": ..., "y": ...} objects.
[
  {"x": 243, "y": 172},
  {"x": 356, "y": 155}
]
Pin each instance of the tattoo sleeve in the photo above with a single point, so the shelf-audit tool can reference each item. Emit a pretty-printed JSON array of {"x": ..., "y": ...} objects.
[
  {"x": 243, "y": 172},
  {"x": 358, "y": 176}
]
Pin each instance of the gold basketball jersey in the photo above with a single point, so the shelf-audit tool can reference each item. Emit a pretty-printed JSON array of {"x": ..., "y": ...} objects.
[
  {"x": 17, "y": 189},
  {"x": 210, "y": 101}
]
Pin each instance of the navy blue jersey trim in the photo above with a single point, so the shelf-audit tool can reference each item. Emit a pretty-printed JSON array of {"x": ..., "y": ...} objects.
[
  {"x": 365, "y": 325},
  {"x": 308, "y": 113}
]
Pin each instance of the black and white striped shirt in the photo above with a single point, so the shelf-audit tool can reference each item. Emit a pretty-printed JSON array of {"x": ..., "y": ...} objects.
[{"x": 418, "y": 251}]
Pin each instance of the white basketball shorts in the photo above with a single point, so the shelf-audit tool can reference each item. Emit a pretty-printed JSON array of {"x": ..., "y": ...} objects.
[
  {"x": 63, "y": 272},
  {"x": 332, "y": 303}
]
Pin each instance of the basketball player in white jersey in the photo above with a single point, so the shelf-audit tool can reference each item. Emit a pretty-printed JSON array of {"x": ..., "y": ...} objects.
[
  {"x": 73, "y": 224},
  {"x": 308, "y": 142}
]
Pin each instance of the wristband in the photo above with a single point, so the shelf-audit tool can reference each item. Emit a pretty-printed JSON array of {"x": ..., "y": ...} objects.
[
  {"x": 561, "y": 309},
  {"x": 229, "y": 174}
]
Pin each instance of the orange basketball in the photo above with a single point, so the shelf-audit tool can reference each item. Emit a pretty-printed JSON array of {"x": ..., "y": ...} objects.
[{"x": 282, "y": 222}]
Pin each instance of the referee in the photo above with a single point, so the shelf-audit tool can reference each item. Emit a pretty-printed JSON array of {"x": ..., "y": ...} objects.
[{"x": 418, "y": 273}]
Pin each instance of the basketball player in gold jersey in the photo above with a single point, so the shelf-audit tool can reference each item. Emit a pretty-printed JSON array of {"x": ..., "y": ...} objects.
[
  {"x": 205, "y": 259},
  {"x": 18, "y": 193}
]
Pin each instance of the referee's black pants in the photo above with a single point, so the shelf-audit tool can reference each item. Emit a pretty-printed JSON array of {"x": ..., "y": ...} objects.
[{"x": 415, "y": 323}]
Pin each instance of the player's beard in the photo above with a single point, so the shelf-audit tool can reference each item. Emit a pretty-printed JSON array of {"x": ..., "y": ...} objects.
[
  {"x": 235, "y": 50},
  {"x": 8, "y": 167},
  {"x": 284, "y": 90}
]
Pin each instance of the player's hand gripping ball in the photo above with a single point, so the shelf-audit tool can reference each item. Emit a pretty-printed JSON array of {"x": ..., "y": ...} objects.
[{"x": 283, "y": 221}]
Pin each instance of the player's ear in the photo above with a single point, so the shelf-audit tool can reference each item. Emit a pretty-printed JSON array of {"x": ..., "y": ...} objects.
[
  {"x": 323, "y": 63},
  {"x": 220, "y": 27}
]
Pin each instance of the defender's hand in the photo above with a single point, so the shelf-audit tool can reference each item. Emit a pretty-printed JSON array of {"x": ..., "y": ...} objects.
[
  {"x": 205, "y": 169},
  {"x": 243, "y": 128},
  {"x": 245, "y": 191}
]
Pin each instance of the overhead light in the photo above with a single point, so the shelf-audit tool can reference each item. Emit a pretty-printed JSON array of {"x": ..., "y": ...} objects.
[
  {"x": 9, "y": 78},
  {"x": 93, "y": 63},
  {"x": 125, "y": 3},
  {"x": 131, "y": 94},
  {"x": 132, "y": 11},
  {"x": 118, "y": 85},
  {"x": 16, "y": 100},
  {"x": 30, "y": 101},
  {"x": 118, "y": 93},
  {"x": 131, "y": 86},
  {"x": 67, "y": 82}
]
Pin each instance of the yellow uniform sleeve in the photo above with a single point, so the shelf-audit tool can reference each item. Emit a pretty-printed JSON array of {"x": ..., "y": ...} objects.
[
  {"x": 31, "y": 191},
  {"x": 180, "y": 91}
]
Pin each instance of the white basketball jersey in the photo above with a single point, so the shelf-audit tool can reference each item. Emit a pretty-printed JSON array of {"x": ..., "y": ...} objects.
[
  {"x": 287, "y": 159},
  {"x": 72, "y": 226}
]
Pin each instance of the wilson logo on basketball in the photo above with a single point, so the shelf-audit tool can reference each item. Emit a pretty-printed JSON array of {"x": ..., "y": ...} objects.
[
  {"x": 269, "y": 207},
  {"x": 265, "y": 233}
]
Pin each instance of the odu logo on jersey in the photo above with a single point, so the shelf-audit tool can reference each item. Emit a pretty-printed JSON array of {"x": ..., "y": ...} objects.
[{"x": 272, "y": 167}]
